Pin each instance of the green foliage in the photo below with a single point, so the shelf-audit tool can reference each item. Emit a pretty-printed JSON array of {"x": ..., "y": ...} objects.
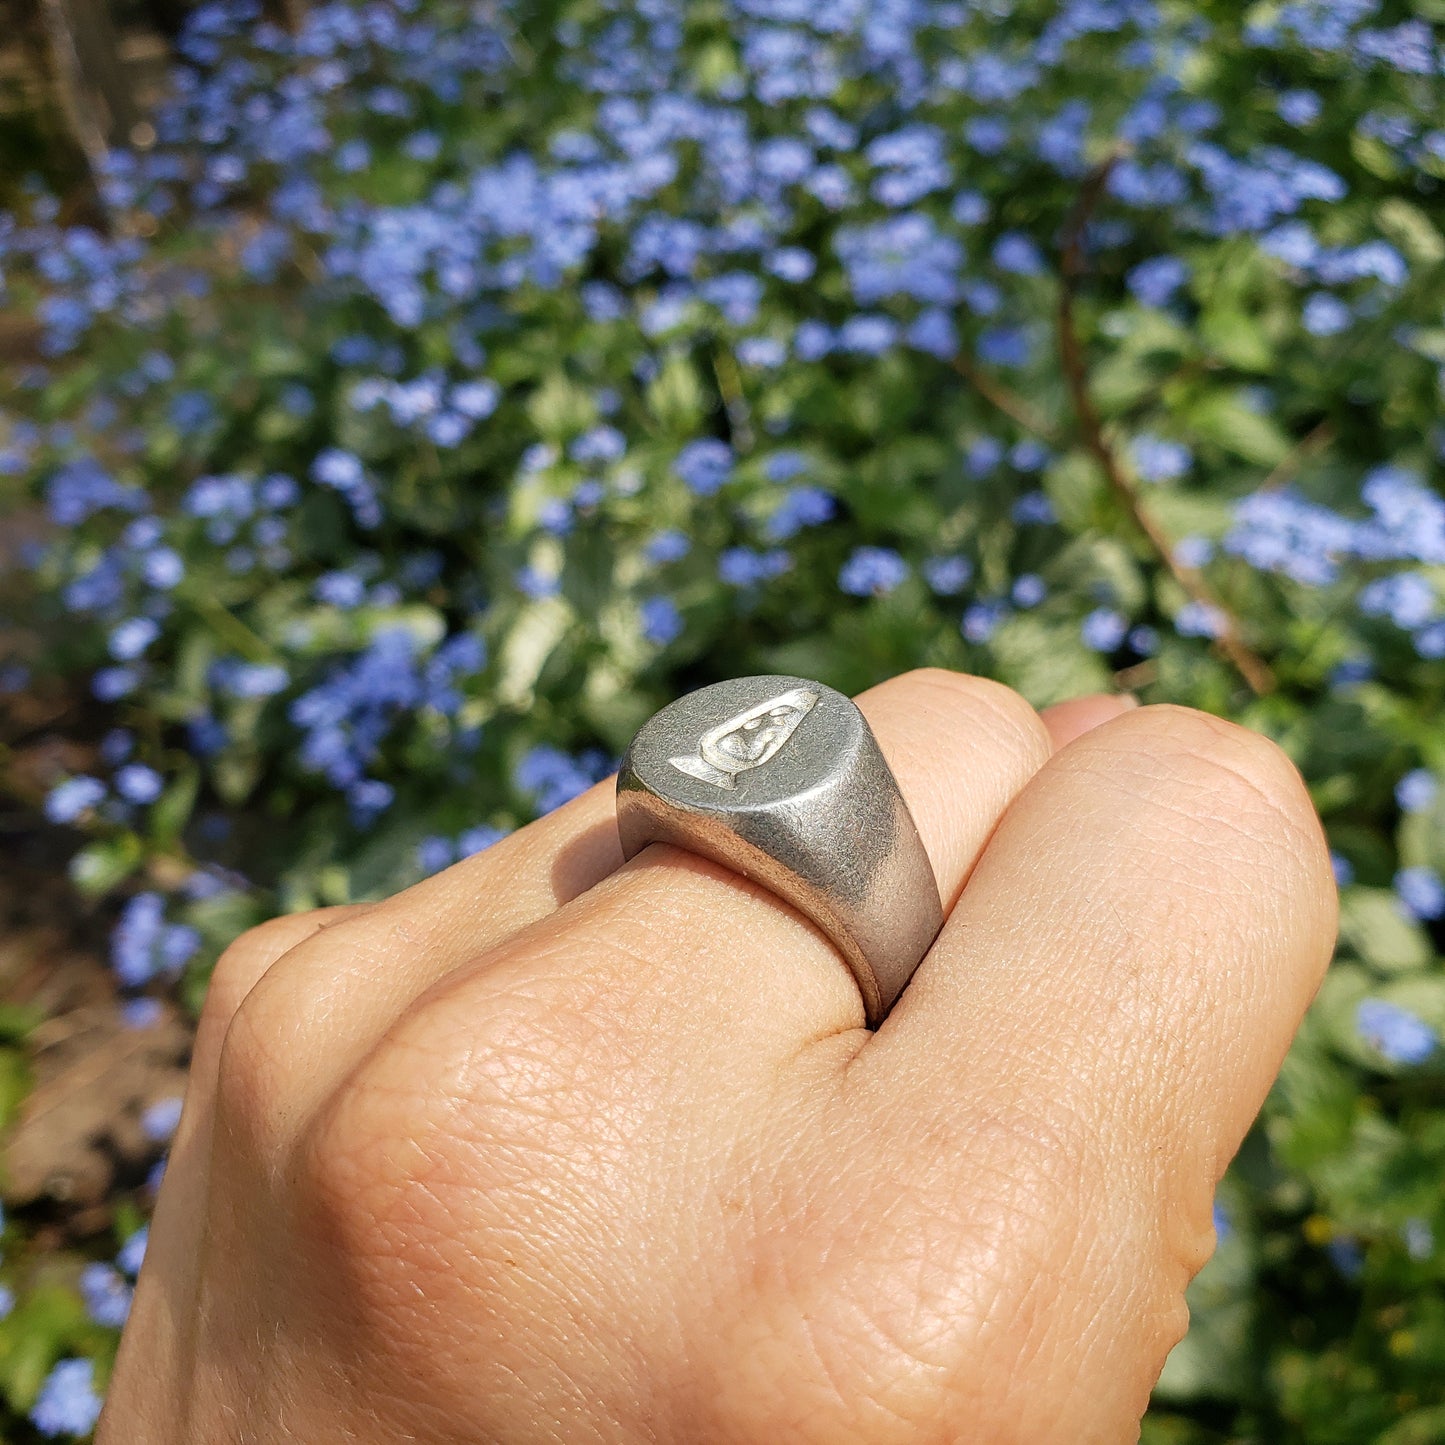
[{"x": 1151, "y": 399}]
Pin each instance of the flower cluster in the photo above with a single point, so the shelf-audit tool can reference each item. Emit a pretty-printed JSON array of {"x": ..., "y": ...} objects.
[{"x": 451, "y": 385}]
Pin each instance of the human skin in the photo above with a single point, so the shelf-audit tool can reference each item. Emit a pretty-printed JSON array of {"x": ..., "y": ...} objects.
[{"x": 552, "y": 1148}]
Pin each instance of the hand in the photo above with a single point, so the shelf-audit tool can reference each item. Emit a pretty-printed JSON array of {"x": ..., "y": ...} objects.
[{"x": 548, "y": 1148}]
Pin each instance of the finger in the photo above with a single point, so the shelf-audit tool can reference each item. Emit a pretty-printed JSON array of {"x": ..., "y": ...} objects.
[
  {"x": 1072, "y": 719},
  {"x": 1090, "y": 1038},
  {"x": 180, "y": 1212},
  {"x": 696, "y": 937}
]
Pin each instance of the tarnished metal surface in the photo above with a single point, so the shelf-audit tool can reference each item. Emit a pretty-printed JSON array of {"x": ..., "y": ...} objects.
[{"x": 781, "y": 780}]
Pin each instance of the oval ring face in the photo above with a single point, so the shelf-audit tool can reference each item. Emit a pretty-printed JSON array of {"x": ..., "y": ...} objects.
[
  {"x": 780, "y": 779},
  {"x": 747, "y": 741}
]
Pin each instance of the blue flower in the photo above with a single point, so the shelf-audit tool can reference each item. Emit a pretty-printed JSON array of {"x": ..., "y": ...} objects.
[
  {"x": 555, "y": 777},
  {"x": 872, "y": 571},
  {"x": 1015, "y": 253},
  {"x": 241, "y": 679},
  {"x": 933, "y": 331},
  {"x": 1325, "y": 315},
  {"x": 1222, "y": 1226},
  {"x": 67, "y": 801},
  {"x": 791, "y": 263},
  {"x": 1200, "y": 619},
  {"x": 1028, "y": 590},
  {"x": 1157, "y": 459},
  {"x": 1409, "y": 519},
  {"x": 1417, "y": 790},
  {"x": 981, "y": 620},
  {"x": 1408, "y": 47},
  {"x": 1104, "y": 629},
  {"x": 987, "y": 134},
  {"x": 477, "y": 839},
  {"x": 1034, "y": 508},
  {"x": 1193, "y": 551},
  {"x": 812, "y": 341},
  {"x": 903, "y": 256},
  {"x": 352, "y": 156},
  {"x": 744, "y": 567},
  {"x": 1278, "y": 531},
  {"x": 435, "y": 853},
  {"x": 554, "y": 515},
  {"x": 113, "y": 683},
  {"x": 869, "y": 334},
  {"x": 132, "y": 1252},
  {"x": 106, "y": 1294},
  {"x": 661, "y": 621},
  {"x": 1346, "y": 1255},
  {"x": 340, "y": 589},
  {"x": 1394, "y": 1032},
  {"x": 81, "y": 488},
  {"x": 532, "y": 581},
  {"x": 67, "y": 1403},
  {"x": 947, "y": 576},
  {"x": 1421, "y": 892},
  {"x": 762, "y": 351},
  {"x": 600, "y": 445},
  {"x": 799, "y": 507},
  {"x": 367, "y": 797},
  {"x": 1004, "y": 346},
  {"x": 665, "y": 547},
  {"x": 141, "y": 1013},
  {"x": 342, "y": 472},
  {"x": 704, "y": 465},
  {"x": 163, "y": 568},
  {"x": 783, "y": 466},
  {"x": 137, "y": 783},
  {"x": 117, "y": 744},
  {"x": 910, "y": 163},
  {"x": 160, "y": 1120},
  {"x": 1144, "y": 640},
  {"x": 475, "y": 400},
  {"x": 143, "y": 944},
  {"x": 1299, "y": 107},
  {"x": 1418, "y": 1238},
  {"x": 969, "y": 209},
  {"x": 1407, "y": 599}
]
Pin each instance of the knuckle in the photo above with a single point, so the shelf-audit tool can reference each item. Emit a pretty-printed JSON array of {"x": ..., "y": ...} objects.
[
  {"x": 251, "y": 1077},
  {"x": 991, "y": 708},
  {"x": 1248, "y": 777},
  {"x": 246, "y": 961},
  {"x": 457, "y": 1108}
]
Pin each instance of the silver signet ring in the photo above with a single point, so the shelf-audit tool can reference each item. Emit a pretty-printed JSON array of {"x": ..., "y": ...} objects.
[{"x": 781, "y": 780}]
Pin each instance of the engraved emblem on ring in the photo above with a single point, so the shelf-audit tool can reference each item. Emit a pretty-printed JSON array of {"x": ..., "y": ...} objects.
[{"x": 748, "y": 740}]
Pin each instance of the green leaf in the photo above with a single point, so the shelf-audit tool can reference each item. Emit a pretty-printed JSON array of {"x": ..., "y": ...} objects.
[
  {"x": 1377, "y": 931},
  {"x": 1237, "y": 337},
  {"x": 172, "y": 811},
  {"x": 1412, "y": 231},
  {"x": 99, "y": 866},
  {"x": 1041, "y": 659},
  {"x": 1419, "y": 1427},
  {"x": 1227, "y": 420}
]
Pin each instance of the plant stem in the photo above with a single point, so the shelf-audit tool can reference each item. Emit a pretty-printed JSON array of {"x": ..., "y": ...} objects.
[{"x": 1250, "y": 666}]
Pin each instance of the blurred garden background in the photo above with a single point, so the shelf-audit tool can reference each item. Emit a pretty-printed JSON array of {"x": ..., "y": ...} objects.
[{"x": 400, "y": 401}]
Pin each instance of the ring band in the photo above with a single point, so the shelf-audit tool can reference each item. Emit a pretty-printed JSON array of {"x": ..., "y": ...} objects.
[{"x": 781, "y": 780}]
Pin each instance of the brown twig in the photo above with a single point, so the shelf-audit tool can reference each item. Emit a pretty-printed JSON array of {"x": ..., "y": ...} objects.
[
  {"x": 1006, "y": 400},
  {"x": 1247, "y": 663},
  {"x": 1315, "y": 441}
]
